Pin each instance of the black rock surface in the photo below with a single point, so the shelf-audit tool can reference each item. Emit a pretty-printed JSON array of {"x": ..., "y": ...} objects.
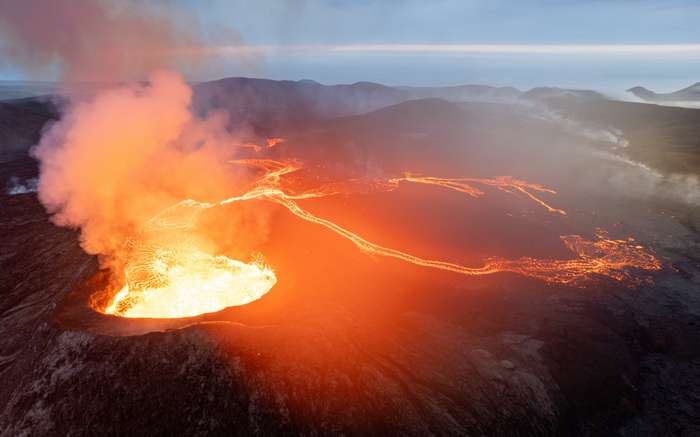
[{"x": 385, "y": 349}]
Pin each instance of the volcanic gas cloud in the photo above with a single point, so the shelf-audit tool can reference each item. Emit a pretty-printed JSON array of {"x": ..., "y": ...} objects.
[
  {"x": 116, "y": 161},
  {"x": 120, "y": 156},
  {"x": 135, "y": 170}
]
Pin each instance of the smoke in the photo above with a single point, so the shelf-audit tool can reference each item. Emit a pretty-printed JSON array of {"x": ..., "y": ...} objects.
[
  {"x": 602, "y": 165},
  {"x": 629, "y": 177},
  {"x": 120, "y": 156},
  {"x": 636, "y": 179},
  {"x": 94, "y": 40},
  {"x": 113, "y": 162},
  {"x": 610, "y": 135}
]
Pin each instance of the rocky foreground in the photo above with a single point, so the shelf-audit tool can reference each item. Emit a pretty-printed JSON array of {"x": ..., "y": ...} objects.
[
  {"x": 499, "y": 356},
  {"x": 520, "y": 359}
]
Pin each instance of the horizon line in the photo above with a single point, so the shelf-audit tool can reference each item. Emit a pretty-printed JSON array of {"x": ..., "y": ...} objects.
[{"x": 401, "y": 48}]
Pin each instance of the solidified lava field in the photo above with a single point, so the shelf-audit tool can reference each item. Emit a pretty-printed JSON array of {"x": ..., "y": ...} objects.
[{"x": 356, "y": 344}]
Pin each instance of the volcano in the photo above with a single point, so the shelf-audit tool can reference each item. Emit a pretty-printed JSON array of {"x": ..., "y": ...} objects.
[{"x": 349, "y": 340}]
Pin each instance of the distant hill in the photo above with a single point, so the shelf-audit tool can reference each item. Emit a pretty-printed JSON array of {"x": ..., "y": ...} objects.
[
  {"x": 281, "y": 104},
  {"x": 663, "y": 137},
  {"x": 547, "y": 93},
  {"x": 285, "y": 103},
  {"x": 17, "y": 89},
  {"x": 268, "y": 107},
  {"x": 432, "y": 134},
  {"x": 688, "y": 94},
  {"x": 464, "y": 93},
  {"x": 21, "y": 122},
  {"x": 273, "y": 108}
]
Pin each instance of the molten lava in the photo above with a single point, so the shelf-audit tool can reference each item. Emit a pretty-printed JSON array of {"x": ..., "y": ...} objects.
[
  {"x": 269, "y": 143},
  {"x": 272, "y": 142},
  {"x": 504, "y": 183},
  {"x": 168, "y": 276},
  {"x": 187, "y": 284}
]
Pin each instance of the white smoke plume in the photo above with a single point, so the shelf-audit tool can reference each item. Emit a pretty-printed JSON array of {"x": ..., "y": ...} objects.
[
  {"x": 636, "y": 179},
  {"x": 117, "y": 158}
]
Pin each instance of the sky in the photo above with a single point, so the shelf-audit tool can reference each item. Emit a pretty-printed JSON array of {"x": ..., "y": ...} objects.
[{"x": 601, "y": 44}]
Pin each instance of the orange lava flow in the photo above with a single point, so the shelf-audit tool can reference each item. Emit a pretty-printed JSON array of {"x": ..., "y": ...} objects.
[
  {"x": 269, "y": 143},
  {"x": 605, "y": 257},
  {"x": 272, "y": 142},
  {"x": 176, "y": 281},
  {"x": 503, "y": 183},
  {"x": 254, "y": 147}
]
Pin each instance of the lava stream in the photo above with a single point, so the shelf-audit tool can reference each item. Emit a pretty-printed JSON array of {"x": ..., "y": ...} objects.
[
  {"x": 503, "y": 183},
  {"x": 163, "y": 281},
  {"x": 604, "y": 256},
  {"x": 269, "y": 143}
]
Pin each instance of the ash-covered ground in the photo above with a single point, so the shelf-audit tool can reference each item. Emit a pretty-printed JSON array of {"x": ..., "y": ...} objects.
[{"x": 354, "y": 345}]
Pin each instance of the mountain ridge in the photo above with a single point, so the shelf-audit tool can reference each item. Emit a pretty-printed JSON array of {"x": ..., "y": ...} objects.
[{"x": 688, "y": 94}]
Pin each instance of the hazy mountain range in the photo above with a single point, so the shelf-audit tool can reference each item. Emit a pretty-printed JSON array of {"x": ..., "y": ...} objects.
[
  {"x": 688, "y": 94},
  {"x": 271, "y": 108},
  {"x": 357, "y": 97},
  {"x": 17, "y": 89},
  {"x": 291, "y": 103}
]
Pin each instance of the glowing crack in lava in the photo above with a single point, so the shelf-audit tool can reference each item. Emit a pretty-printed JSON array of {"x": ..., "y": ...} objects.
[
  {"x": 507, "y": 184},
  {"x": 178, "y": 281},
  {"x": 269, "y": 143}
]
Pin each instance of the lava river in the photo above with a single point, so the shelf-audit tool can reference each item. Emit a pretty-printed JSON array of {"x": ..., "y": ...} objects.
[{"x": 167, "y": 275}]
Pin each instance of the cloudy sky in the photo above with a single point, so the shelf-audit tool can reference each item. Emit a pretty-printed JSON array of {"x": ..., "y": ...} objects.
[
  {"x": 459, "y": 21},
  {"x": 603, "y": 44}
]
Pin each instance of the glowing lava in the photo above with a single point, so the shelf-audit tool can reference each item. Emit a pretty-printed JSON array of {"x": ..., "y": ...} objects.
[
  {"x": 269, "y": 143},
  {"x": 187, "y": 284},
  {"x": 272, "y": 142},
  {"x": 170, "y": 277},
  {"x": 507, "y": 184}
]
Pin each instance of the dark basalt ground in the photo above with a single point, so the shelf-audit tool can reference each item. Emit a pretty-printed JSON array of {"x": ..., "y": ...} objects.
[{"x": 380, "y": 349}]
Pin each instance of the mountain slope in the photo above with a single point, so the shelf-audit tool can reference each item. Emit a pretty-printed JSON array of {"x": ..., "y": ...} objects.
[
  {"x": 464, "y": 93},
  {"x": 662, "y": 137},
  {"x": 688, "y": 94},
  {"x": 546, "y": 93},
  {"x": 21, "y": 122},
  {"x": 268, "y": 104},
  {"x": 289, "y": 103}
]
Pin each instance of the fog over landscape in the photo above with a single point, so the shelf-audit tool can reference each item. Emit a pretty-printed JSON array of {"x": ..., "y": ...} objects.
[{"x": 316, "y": 217}]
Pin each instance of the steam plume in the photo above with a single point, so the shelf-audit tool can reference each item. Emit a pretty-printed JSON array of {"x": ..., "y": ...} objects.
[
  {"x": 93, "y": 40},
  {"x": 113, "y": 162},
  {"x": 116, "y": 159}
]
